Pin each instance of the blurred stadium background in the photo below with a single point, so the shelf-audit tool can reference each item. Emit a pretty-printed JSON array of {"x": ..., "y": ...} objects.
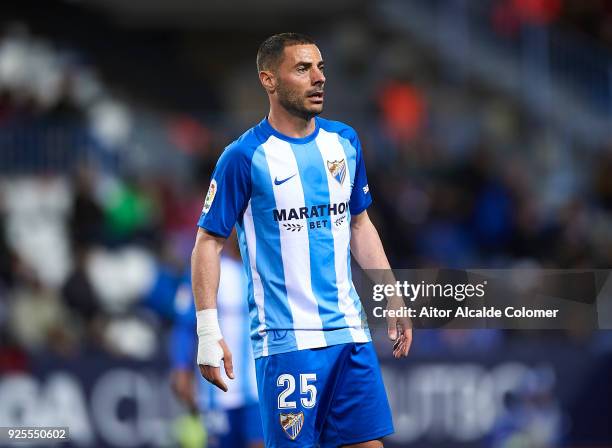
[{"x": 487, "y": 127}]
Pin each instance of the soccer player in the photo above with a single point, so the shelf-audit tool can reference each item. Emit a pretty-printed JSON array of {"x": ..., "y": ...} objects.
[
  {"x": 232, "y": 419},
  {"x": 295, "y": 187}
]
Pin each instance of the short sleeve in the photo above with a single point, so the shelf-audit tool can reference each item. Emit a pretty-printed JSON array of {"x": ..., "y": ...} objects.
[
  {"x": 228, "y": 193},
  {"x": 360, "y": 195}
]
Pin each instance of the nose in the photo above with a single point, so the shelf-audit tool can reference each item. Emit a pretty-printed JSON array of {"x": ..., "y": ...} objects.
[{"x": 317, "y": 76}]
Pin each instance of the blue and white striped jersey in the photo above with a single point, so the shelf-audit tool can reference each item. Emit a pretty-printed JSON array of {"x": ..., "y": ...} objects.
[{"x": 292, "y": 200}]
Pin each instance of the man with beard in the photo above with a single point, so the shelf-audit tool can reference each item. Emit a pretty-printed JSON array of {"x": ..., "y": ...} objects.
[{"x": 295, "y": 186}]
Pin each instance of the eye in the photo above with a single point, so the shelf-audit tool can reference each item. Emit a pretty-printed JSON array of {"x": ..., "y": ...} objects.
[{"x": 301, "y": 69}]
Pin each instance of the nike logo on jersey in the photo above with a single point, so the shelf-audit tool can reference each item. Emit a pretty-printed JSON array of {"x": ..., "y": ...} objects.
[{"x": 282, "y": 181}]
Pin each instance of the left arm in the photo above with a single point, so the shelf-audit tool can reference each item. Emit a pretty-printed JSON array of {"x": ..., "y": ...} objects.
[
  {"x": 368, "y": 250},
  {"x": 366, "y": 246}
]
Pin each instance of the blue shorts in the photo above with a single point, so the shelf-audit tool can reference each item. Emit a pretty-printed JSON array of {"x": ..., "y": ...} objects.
[
  {"x": 234, "y": 428},
  {"x": 327, "y": 397}
]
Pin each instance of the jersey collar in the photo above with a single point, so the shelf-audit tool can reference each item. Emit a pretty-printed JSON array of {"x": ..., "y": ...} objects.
[{"x": 269, "y": 130}]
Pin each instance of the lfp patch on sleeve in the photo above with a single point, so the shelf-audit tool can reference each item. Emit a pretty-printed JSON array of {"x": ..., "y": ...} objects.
[{"x": 210, "y": 196}]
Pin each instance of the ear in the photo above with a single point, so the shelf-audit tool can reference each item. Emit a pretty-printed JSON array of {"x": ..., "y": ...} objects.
[{"x": 268, "y": 80}]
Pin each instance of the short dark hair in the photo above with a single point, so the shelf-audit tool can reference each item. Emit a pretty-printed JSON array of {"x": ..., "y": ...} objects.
[{"x": 271, "y": 50}]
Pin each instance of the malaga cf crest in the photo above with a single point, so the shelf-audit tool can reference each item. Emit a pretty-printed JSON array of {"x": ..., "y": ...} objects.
[
  {"x": 337, "y": 169},
  {"x": 292, "y": 424}
]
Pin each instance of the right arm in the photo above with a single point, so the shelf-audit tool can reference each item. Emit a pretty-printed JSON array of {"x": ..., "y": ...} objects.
[
  {"x": 227, "y": 197},
  {"x": 205, "y": 271}
]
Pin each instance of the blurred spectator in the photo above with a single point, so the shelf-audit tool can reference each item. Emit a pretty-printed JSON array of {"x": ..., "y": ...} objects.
[
  {"x": 532, "y": 417},
  {"x": 131, "y": 212},
  {"x": 82, "y": 300},
  {"x": 87, "y": 217},
  {"x": 38, "y": 317},
  {"x": 403, "y": 110}
]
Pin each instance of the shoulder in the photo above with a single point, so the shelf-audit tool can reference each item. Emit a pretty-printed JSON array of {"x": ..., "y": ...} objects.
[{"x": 337, "y": 127}]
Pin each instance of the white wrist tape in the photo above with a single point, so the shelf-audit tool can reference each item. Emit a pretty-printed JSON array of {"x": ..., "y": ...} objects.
[{"x": 210, "y": 352}]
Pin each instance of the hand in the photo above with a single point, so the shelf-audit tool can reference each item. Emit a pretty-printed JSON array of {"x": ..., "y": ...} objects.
[
  {"x": 213, "y": 374},
  {"x": 183, "y": 388},
  {"x": 399, "y": 329}
]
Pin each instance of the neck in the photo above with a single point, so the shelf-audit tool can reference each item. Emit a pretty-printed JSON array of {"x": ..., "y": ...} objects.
[{"x": 289, "y": 124}]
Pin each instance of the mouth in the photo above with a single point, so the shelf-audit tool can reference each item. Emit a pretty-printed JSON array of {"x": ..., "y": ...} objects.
[{"x": 316, "y": 97}]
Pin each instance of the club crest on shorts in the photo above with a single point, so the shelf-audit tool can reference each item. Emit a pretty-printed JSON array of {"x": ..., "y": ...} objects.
[
  {"x": 210, "y": 196},
  {"x": 292, "y": 424},
  {"x": 337, "y": 169}
]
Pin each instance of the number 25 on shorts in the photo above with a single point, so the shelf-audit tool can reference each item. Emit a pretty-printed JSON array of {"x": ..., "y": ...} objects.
[{"x": 308, "y": 391}]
